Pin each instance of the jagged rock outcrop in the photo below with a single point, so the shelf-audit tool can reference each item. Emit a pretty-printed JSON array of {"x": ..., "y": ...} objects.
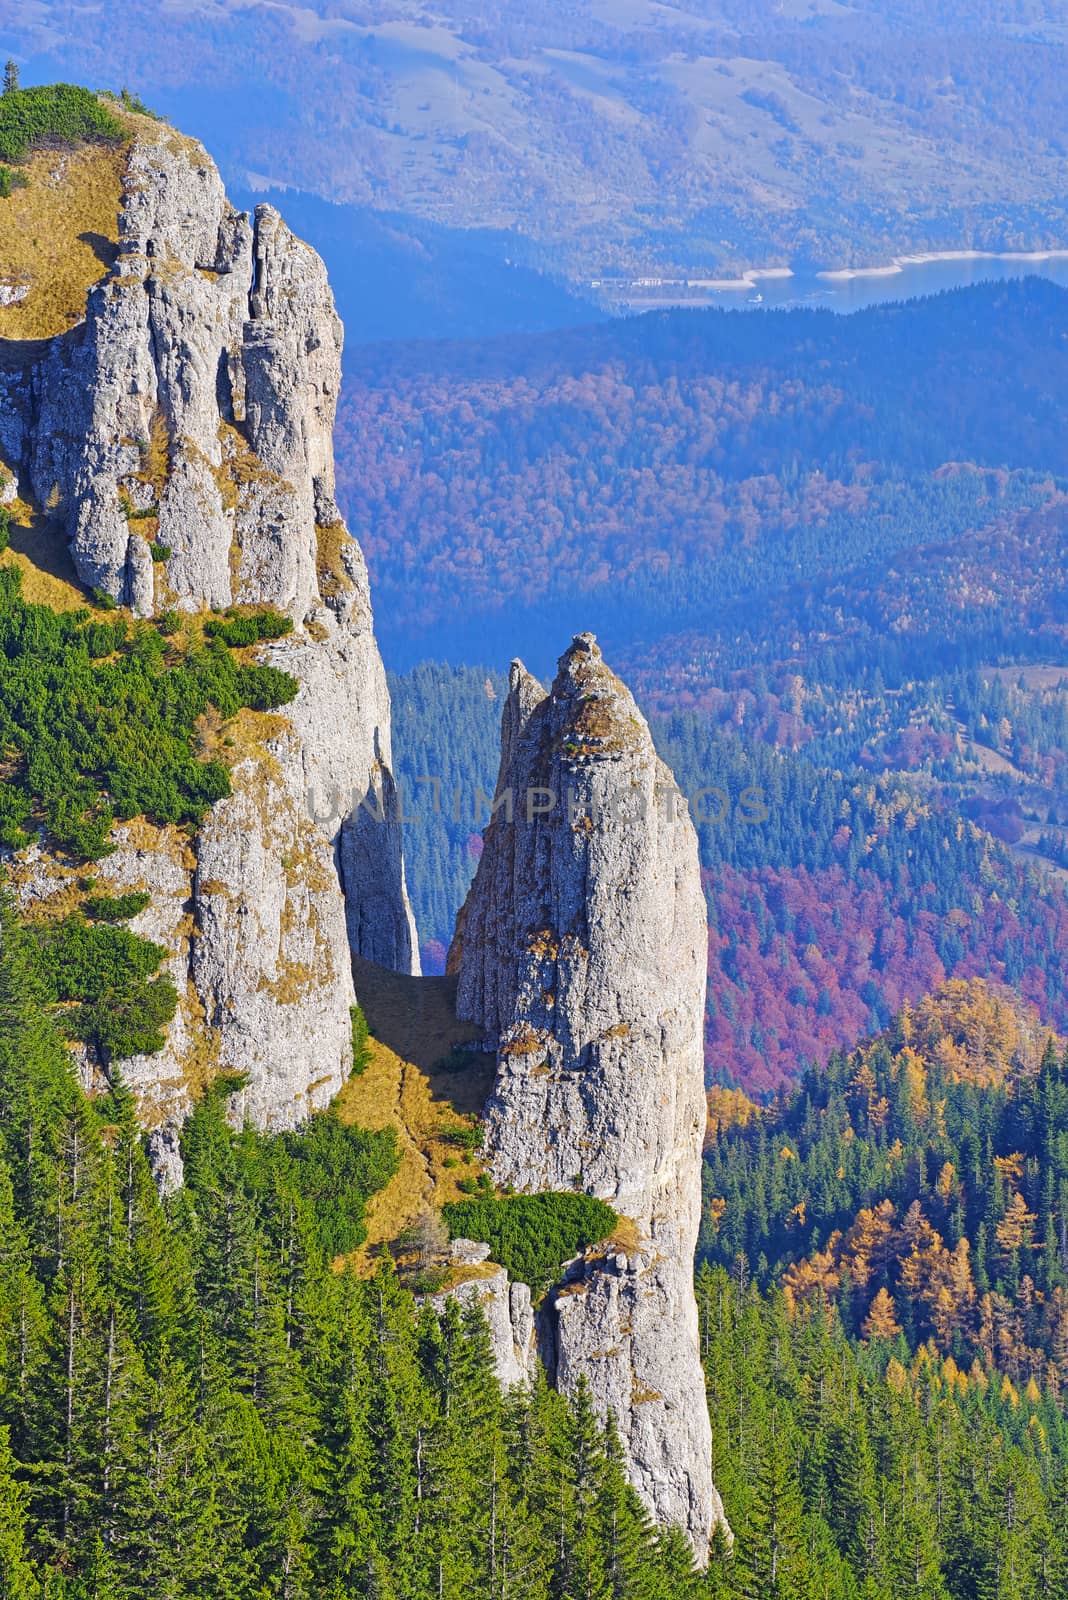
[
  {"x": 200, "y": 388},
  {"x": 581, "y": 950},
  {"x": 506, "y": 1306},
  {"x": 183, "y": 437}
]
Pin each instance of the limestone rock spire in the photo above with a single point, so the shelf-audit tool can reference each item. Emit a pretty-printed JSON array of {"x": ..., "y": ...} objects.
[{"x": 582, "y": 951}]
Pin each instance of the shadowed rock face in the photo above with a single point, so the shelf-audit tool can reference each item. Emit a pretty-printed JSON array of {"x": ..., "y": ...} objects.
[
  {"x": 581, "y": 950},
  {"x": 193, "y": 411}
]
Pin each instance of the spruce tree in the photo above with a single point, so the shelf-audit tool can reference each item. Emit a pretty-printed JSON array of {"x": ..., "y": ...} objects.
[
  {"x": 585, "y": 1562},
  {"x": 17, "y": 1578},
  {"x": 23, "y": 1316},
  {"x": 721, "y": 1578},
  {"x": 629, "y": 1537},
  {"x": 772, "y": 1545}
]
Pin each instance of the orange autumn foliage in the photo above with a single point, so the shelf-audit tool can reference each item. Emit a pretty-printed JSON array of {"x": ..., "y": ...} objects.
[
  {"x": 727, "y": 1108},
  {"x": 937, "y": 1280},
  {"x": 978, "y": 1032},
  {"x": 1015, "y": 1230},
  {"x": 881, "y": 1323},
  {"x": 815, "y": 1280}
]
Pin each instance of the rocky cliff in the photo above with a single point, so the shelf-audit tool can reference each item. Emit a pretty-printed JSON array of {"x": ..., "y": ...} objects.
[
  {"x": 581, "y": 951},
  {"x": 181, "y": 435}
]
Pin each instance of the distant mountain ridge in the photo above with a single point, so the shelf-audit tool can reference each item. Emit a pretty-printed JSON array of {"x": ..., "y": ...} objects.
[
  {"x": 659, "y": 472},
  {"x": 696, "y": 137}
]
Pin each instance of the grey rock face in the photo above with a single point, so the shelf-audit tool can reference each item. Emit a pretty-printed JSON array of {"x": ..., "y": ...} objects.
[
  {"x": 165, "y": 1158},
  {"x": 270, "y": 960},
  {"x": 137, "y": 397},
  {"x": 201, "y": 389},
  {"x": 342, "y": 718},
  {"x": 194, "y": 409},
  {"x": 510, "y": 1318},
  {"x": 252, "y": 918},
  {"x": 581, "y": 949}
]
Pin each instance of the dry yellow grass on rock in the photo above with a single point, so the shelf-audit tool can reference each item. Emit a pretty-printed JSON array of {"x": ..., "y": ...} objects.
[
  {"x": 38, "y": 548},
  {"x": 58, "y": 236},
  {"x": 406, "y": 1088}
]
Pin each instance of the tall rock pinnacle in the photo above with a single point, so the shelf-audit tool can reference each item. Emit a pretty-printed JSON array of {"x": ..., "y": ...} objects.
[{"x": 581, "y": 950}]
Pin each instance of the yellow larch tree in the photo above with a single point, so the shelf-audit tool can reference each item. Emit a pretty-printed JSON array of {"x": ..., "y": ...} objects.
[
  {"x": 1015, "y": 1231},
  {"x": 881, "y": 1322}
]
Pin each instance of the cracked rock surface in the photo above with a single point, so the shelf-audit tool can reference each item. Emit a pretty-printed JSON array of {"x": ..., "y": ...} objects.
[{"x": 182, "y": 436}]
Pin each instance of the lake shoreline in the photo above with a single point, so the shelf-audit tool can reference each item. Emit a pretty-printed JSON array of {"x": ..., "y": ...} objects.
[
  {"x": 752, "y": 277},
  {"x": 928, "y": 258},
  {"x": 837, "y": 289}
]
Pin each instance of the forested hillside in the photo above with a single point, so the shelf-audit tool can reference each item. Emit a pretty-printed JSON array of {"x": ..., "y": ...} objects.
[
  {"x": 892, "y": 1279},
  {"x": 860, "y": 884},
  {"x": 918, "y": 1184},
  {"x": 232, "y": 1362},
  {"x": 832, "y": 564},
  {"x": 858, "y": 1468},
  {"x": 198, "y": 1398},
  {"x": 446, "y": 723},
  {"x": 230, "y": 1414},
  {"x": 659, "y": 475}
]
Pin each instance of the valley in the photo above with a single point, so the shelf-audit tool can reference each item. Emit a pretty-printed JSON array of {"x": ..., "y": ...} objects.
[
  {"x": 576, "y": 1115},
  {"x": 828, "y": 578}
]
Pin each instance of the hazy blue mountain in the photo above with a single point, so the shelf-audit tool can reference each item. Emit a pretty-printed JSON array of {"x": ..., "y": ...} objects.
[{"x": 691, "y": 137}]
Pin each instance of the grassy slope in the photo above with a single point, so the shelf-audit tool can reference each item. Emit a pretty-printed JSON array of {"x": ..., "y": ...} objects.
[
  {"x": 59, "y": 236},
  {"x": 405, "y": 1087}
]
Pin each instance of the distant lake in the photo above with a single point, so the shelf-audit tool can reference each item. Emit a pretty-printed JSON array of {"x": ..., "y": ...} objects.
[{"x": 843, "y": 291}]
